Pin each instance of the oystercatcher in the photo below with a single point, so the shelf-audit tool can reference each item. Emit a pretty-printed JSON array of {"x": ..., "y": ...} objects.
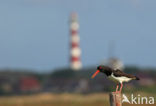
[{"x": 116, "y": 75}]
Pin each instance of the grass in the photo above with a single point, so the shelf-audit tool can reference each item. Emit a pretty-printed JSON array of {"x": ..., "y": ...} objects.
[{"x": 65, "y": 99}]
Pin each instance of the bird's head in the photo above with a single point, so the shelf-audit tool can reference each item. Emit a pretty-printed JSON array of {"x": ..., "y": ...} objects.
[{"x": 103, "y": 69}]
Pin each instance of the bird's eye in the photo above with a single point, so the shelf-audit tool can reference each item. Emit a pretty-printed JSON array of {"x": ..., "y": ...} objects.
[{"x": 100, "y": 67}]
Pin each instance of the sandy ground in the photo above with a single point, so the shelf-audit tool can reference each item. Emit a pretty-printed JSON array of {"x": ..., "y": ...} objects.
[{"x": 65, "y": 99}]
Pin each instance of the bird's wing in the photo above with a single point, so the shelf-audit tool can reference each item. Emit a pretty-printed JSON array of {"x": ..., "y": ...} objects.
[{"x": 119, "y": 73}]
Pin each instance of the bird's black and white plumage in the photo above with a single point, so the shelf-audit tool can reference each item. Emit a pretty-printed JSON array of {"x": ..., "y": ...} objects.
[{"x": 115, "y": 75}]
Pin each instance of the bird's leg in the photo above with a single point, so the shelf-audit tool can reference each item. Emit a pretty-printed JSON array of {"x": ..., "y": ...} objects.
[
  {"x": 117, "y": 88},
  {"x": 121, "y": 87}
]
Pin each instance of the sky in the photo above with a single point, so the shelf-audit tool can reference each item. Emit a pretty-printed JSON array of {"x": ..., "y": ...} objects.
[{"x": 34, "y": 34}]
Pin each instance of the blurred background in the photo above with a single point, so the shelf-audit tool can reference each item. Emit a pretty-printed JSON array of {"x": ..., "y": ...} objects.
[{"x": 50, "y": 48}]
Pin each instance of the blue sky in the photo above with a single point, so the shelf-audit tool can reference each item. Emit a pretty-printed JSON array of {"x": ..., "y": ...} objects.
[{"x": 34, "y": 34}]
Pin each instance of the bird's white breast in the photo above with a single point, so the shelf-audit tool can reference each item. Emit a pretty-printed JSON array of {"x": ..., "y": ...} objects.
[{"x": 119, "y": 79}]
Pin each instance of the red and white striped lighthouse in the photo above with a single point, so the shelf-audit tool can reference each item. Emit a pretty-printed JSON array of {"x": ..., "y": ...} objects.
[{"x": 75, "y": 51}]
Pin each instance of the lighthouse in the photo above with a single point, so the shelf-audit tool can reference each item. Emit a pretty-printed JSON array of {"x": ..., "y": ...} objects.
[{"x": 75, "y": 51}]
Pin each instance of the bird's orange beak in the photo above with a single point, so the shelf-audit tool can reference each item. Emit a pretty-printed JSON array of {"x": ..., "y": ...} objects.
[{"x": 97, "y": 71}]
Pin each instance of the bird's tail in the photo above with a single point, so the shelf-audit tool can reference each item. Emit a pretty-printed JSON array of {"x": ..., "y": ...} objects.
[{"x": 137, "y": 78}]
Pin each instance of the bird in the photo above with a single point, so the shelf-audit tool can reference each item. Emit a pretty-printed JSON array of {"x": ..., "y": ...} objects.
[{"x": 115, "y": 75}]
